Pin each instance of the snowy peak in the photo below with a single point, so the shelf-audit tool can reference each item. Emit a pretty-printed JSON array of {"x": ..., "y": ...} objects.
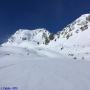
[
  {"x": 83, "y": 17},
  {"x": 24, "y": 37},
  {"x": 79, "y": 25},
  {"x": 74, "y": 35}
]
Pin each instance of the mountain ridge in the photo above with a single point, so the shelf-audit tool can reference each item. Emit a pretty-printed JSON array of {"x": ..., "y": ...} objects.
[{"x": 37, "y": 37}]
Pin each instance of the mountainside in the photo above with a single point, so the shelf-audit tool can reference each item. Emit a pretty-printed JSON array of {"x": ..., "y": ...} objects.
[
  {"x": 73, "y": 40},
  {"x": 42, "y": 70},
  {"x": 40, "y": 60},
  {"x": 74, "y": 34},
  {"x": 25, "y": 38}
]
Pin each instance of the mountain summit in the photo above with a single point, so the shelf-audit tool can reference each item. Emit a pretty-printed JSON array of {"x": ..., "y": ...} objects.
[
  {"x": 76, "y": 33},
  {"x": 24, "y": 37}
]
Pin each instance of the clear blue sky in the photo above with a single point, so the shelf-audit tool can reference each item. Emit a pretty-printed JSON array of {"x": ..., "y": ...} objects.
[{"x": 30, "y": 14}]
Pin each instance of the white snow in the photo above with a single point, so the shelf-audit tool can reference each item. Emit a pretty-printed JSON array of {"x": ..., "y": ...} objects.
[
  {"x": 63, "y": 64},
  {"x": 41, "y": 72},
  {"x": 25, "y": 38}
]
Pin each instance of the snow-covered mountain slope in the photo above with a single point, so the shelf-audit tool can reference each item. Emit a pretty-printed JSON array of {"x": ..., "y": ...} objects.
[
  {"x": 39, "y": 60},
  {"x": 76, "y": 33},
  {"x": 32, "y": 70},
  {"x": 74, "y": 39},
  {"x": 28, "y": 38}
]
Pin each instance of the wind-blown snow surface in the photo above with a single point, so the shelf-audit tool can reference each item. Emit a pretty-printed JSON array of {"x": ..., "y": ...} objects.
[
  {"x": 37, "y": 70},
  {"x": 39, "y": 60}
]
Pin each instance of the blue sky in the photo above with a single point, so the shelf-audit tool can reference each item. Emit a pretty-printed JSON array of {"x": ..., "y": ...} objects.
[{"x": 30, "y": 14}]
